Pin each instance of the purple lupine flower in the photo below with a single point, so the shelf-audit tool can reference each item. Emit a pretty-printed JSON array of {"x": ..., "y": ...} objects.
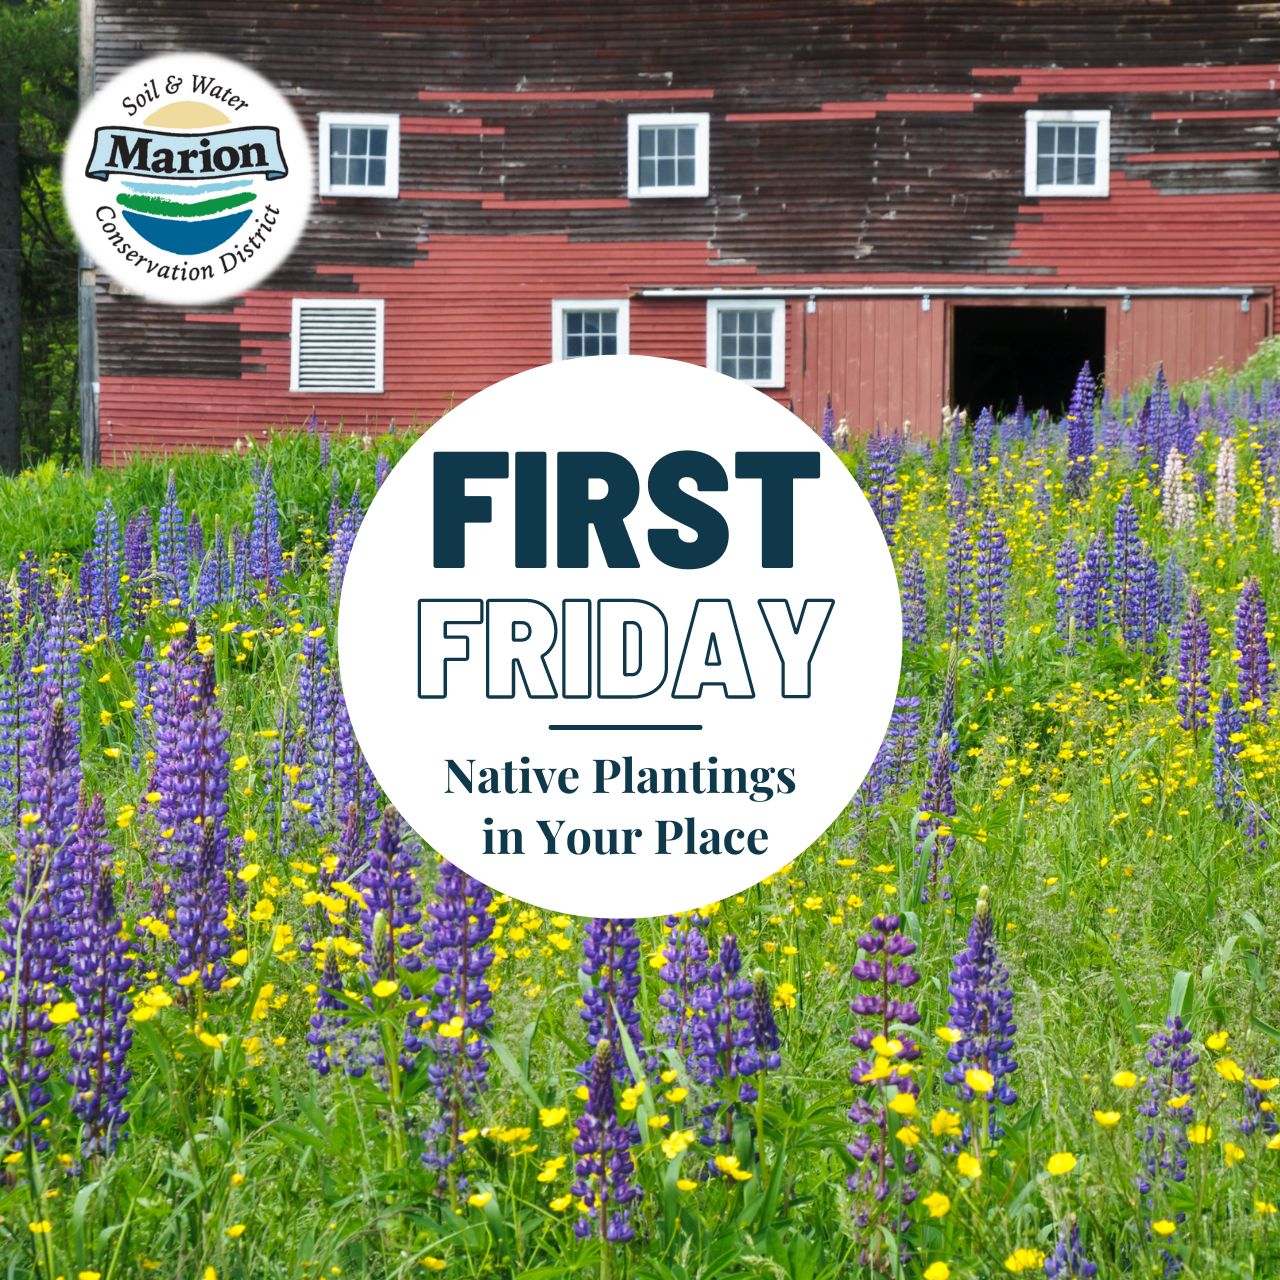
[
  {"x": 88, "y": 589},
  {"x": 881, "y": 1185},
  {"x": 959, "y": 562},
  {"x": 1257, "y": 678},
  {"x": 604, "y": 1170},
  {"x": 213, "y": 585},
  {"x": 310, "y": 750},
  {"x": 335, "y": 505},
  {"x": 28, "y": 953},
  {"x": 1138, "y": 438},
  {"x": 982, "y": 1011},
  {"x": 1193, "y": 667},
  {"x": 327, "y": 1022},
  {"x": 1159, "y": 420},
  {"x": 1164, "y": 1140},
  {"x": 760, "y": 1052},
  {"x": 50, "y": 792},
  {"x": 829, "y": 424},
  {"x": 1021, "y": 420},
  {"x": 1079, "y": 476},
  {"x": 946, "y": 724},
  {"x": 934, "y": 840},
  {"x": 1185, "y": 427},
  {"x": 719, "y": 1004},
  {"x": 100, "y": 1036},
  {"x": 193, "y": 789},
  {"x": 1112, "y": 433},
  {"x": 1068, "y": 1261},
  {"x": 31, "y": 951},
  {"x": 984, "y": 432},
  {"x": 345, "y": 853},
  {"x": 353, "y": 780},
  {"x": 456, "y": 944},
  {"x": 990, "y": 579},
  {"x": 915, "y": 602},
  {"x": 892, "y": 766},
  {"x": 104, "y": 606},
  {"x": 28, "y": 588},
  {"x": 137, "y": 565},
  {"x": 1150, "y": 601},
  {"x": 266, "y": 559},
  {"x": 952, "y": 430},
  {"x": 60, "y": 653},
  {"x": 315, "y": 717},
  {"x": 239, "y": 550},
  {"x": 1228, "y": 777},
  {"x": 195, "y": 541},
  {"x": 1257, "y": 1114},
  {"x": 882, "y": 488},
  {"x": 13, "y": 680},
  {"x": 891, "y": 769},
  {"x": 173, "y": 563},
  {"x": 1066, "y": 568},
  {"x": 381, "y": 470},
  {"x": 1126, "y": 571},
  {"x": 721, "y": 1033},
  {"x": 611, "y": 959},
  {"x": 1205, "y": 412},
  {"x": 343, "y": 540},
  {"x": 389, "y": 886},
  {"x": 685, "y": 965},
  {"x": 1090, "y": 604}
]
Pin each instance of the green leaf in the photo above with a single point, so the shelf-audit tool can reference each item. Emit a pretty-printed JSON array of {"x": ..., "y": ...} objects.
[{"x": 515, "y": 1071}]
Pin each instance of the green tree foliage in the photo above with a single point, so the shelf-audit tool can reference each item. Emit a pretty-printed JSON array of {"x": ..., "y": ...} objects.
[{"x": 39, "y": 39}]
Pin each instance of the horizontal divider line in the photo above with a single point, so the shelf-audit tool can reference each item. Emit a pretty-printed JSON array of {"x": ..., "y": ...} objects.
[{"x": 613, "y": 728}]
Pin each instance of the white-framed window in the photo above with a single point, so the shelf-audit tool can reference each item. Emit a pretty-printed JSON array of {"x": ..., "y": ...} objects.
[
  {"x": 336, "y": 345},
  {"x": 590, "y": 327},
  {"x": 668, "y": 155},
  {"x": 746, "y": 339},
  {"x": 359, "y": 154},
  {"x": 1068, "y": 153}
]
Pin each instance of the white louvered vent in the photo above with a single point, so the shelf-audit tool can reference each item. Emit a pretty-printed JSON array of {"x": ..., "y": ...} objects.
[{"x": 337, "y": 345}]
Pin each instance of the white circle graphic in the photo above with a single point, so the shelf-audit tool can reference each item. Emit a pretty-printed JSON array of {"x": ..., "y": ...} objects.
[
  {"x": 619, "y": 636},
  {"x": 187, "y": 178}
]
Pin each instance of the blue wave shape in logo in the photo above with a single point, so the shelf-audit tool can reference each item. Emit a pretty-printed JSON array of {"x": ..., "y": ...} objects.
[{"x": 183, "y": 236}]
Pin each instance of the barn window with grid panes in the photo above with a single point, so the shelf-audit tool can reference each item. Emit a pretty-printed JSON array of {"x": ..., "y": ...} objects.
[
  {"x": 667, "y": 155},
  {"x": 1068, "y": 153},
  {"x": 745, "y": 340},
  {"x": 359, "y": 155},
  {"x": 589, "y": 327}
]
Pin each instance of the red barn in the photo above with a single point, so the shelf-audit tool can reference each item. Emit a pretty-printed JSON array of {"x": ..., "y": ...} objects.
[{"x": 901, "y": 203}]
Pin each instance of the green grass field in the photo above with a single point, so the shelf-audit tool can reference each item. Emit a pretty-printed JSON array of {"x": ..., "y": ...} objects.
[{"x": 1122, "y": 893}]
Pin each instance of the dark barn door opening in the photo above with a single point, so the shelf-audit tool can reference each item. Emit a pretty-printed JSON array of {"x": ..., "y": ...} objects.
[{"x": 1001, "y": 353}]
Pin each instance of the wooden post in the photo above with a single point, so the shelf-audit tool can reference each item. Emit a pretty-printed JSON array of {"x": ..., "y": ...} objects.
[{"x": 88, "y": 277}]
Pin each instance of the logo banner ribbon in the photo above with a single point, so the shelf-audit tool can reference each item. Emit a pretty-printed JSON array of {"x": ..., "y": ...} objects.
[{"x": 138, "y": 152}]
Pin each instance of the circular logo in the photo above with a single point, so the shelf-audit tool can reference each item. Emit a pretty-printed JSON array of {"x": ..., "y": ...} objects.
[
  {"x": 188, "y": 178},
  {"x": 620, "y": 636}
]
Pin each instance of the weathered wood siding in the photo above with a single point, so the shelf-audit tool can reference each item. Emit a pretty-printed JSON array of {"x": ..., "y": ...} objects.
[{"x": 852, "y": 141}]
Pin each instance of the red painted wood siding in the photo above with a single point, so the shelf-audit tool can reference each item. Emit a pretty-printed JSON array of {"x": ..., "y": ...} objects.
[
  {"x": 873, "y": 143},
  {"x": 475, "y": 310},
  {"x": 1189, "y": 336},
  {"x": 882, "y": 361}
]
